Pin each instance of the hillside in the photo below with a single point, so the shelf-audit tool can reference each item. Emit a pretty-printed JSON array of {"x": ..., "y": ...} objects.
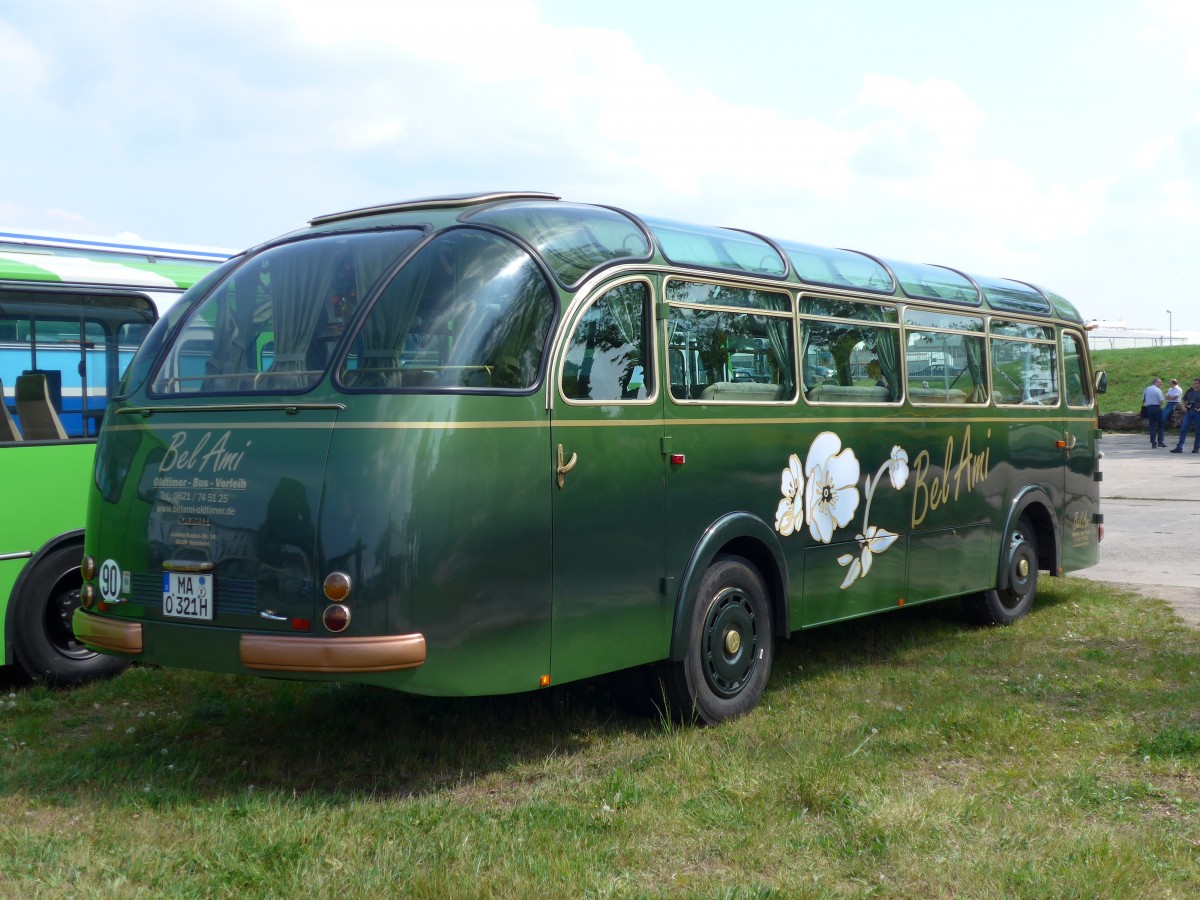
[{"x": 1129, "y": 371}]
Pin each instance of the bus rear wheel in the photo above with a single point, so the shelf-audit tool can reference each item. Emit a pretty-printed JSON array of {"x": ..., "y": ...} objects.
[
  {"x": 43, "y": 638},
  {"x": 1003, "y": 606},
  {"x": 731, "y": 645}
]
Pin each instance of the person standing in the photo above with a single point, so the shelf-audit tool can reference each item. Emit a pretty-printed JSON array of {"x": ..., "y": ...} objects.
[
  {"x": 1191, "y": 418},
  {"x": 1152, "y": 399},
  {"x": 1174, "y": 395}
]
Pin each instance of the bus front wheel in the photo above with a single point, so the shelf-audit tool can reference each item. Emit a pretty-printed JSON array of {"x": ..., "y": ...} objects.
[
  {"x": 43, "y": 638},
  {"x": 731, "y": 644},
  {"x": 1003, "y": 606}
]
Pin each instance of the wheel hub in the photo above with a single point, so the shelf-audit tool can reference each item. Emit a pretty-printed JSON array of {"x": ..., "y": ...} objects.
[
  {"x": 733, "y": 641},
  {"x": 730, "y": 638}
]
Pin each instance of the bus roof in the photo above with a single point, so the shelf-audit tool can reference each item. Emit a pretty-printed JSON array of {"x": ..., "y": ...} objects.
[
  {"x": 74, "y": 259},
  {"x": 575, "y": 240}
]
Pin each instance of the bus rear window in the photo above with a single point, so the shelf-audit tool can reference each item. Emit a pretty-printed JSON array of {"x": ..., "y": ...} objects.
[
  {"x": 274, "y": 322},
  {"x": 470, "y": 311}
]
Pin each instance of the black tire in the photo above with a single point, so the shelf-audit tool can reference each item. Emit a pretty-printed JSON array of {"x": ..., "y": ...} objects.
[
  {"x": 43, "y": 639},
  {"x": 731, "y": 645},
  {"x": 1005, "y": 606}
]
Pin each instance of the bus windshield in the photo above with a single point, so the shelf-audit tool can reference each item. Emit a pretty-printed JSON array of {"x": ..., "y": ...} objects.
[{"x": 273, "y": 323}]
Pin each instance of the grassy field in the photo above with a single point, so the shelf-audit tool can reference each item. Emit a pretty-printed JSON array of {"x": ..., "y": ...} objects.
[
  {"x": 1129, "y": 371},
  {"x": 901, "y": 756}
]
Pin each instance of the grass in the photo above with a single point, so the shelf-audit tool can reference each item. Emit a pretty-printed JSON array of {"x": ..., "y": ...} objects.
[
  {"x": 903, "y": 755},
  {"x": 1129, "y": 371}
]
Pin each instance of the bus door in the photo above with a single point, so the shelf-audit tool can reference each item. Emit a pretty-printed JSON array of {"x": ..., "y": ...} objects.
[
  {"x": 607, "y": 471},
  {"x": 1080, "y": 547}
]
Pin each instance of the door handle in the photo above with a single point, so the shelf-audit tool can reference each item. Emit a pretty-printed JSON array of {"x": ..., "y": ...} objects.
[{"x": 564, "y": 468}]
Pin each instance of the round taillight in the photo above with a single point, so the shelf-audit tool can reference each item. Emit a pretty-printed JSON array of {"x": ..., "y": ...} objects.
[
  {"x": 336, "y": 617},
  {"x": 88, "y": 568},
  {"x": 337, "y": 586},
  {"x": 87, "y": 596}
]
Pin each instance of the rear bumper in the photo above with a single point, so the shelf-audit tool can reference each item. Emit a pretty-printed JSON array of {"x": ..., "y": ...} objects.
[
  {"x": 287, "y": 653},
  {"x": 273, "y": 652},
  {"x": 107, "y": 634}
]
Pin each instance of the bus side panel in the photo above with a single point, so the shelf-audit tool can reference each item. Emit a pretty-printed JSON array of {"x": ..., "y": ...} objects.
[
  {"x": 45, "y": 492},
  {"x": 1034, "y": 438},
  {"x": 735, "y": 464},
  {"x": 1080, "y": 534},
  {"x": 439, "y": 509},
  {"x": 730, "y": 462},
  {"x": 946, "y": 562}
]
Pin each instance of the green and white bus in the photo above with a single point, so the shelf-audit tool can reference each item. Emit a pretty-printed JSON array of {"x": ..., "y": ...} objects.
[
  {"x": 485, "y": 444},
  {"x": 72, "y": 312}
]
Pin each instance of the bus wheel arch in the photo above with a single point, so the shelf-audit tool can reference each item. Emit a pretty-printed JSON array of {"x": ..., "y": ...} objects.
[
  {"x": 742, "y": 535},
  {"x": 43, "y": 602},
  {"x": 1036, "y": 508},
  {"x": 1046, "y": 536}
]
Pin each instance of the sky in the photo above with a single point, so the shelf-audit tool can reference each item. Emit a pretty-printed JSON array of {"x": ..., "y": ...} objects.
[{"x": 1053, "y": 141}]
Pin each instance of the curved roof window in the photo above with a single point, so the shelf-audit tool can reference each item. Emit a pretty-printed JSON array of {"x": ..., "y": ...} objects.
[
  {"x": 925, "y": 282},
  {"x": 838, "y": 268},
  {"x": 572, "y": 238},
  {"x": 716, "y": 248},
  {"x": 1013, "y": 296},
  {"x": 1064, "y": 307}
]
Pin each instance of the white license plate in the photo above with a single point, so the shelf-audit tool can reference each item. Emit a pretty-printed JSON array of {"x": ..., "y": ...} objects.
[{"x": 188, "y": 595}]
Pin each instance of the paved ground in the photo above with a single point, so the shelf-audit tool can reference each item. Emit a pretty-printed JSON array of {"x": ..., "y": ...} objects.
[{"x": 1151, "y": 505}]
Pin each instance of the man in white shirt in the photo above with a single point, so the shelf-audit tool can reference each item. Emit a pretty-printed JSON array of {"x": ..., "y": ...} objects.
[
  {"x": 1174, "y": 395},
  {"x": 1152, "y": 400}
]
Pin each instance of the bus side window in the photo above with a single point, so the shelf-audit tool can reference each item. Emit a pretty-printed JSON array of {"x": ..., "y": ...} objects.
[
  {"x": 866, "y": 363},
  {"x": 945, "y": 366},
  {"x": 1024, "y": 372},
  {"x": 607, "y": 356},
  {"x": 743, "y": 353},
  {"x": 1077, "y": 386}
]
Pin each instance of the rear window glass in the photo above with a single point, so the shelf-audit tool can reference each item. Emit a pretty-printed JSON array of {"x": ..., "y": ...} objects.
[{"x": 273, "y": 323}]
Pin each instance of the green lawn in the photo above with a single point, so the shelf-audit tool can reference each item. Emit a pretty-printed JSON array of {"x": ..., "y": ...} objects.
[{"x": 901, "y": 756}]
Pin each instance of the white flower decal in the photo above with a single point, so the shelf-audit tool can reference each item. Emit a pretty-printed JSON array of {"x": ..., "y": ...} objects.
[
  {"x": 873, "y": 540},
  {"x": 829, "y": 486},
  {"x": 831, "y": 495},
  {"x": 790, "y": 514},
  {"x": 898, "y": 467}
]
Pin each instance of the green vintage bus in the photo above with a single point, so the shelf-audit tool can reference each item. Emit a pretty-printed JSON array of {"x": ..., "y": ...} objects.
[
  {"x": 485, "y": 444},
  {"x": 72, "y": 312}
]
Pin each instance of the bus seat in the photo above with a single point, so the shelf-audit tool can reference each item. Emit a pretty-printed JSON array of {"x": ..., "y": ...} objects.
[
  {"x": 745, "y": 391},
  {"x": 53, "y": 385},
  {"x": 8, "y": 428},
  {"x": 936, "y": 395},
  {"x": 39, "y": 421},
  {"x": 848, "y": 393}
]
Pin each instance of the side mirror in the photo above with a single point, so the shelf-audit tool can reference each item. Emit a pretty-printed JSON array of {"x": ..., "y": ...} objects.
[{"x": 1101, "y": 382}]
